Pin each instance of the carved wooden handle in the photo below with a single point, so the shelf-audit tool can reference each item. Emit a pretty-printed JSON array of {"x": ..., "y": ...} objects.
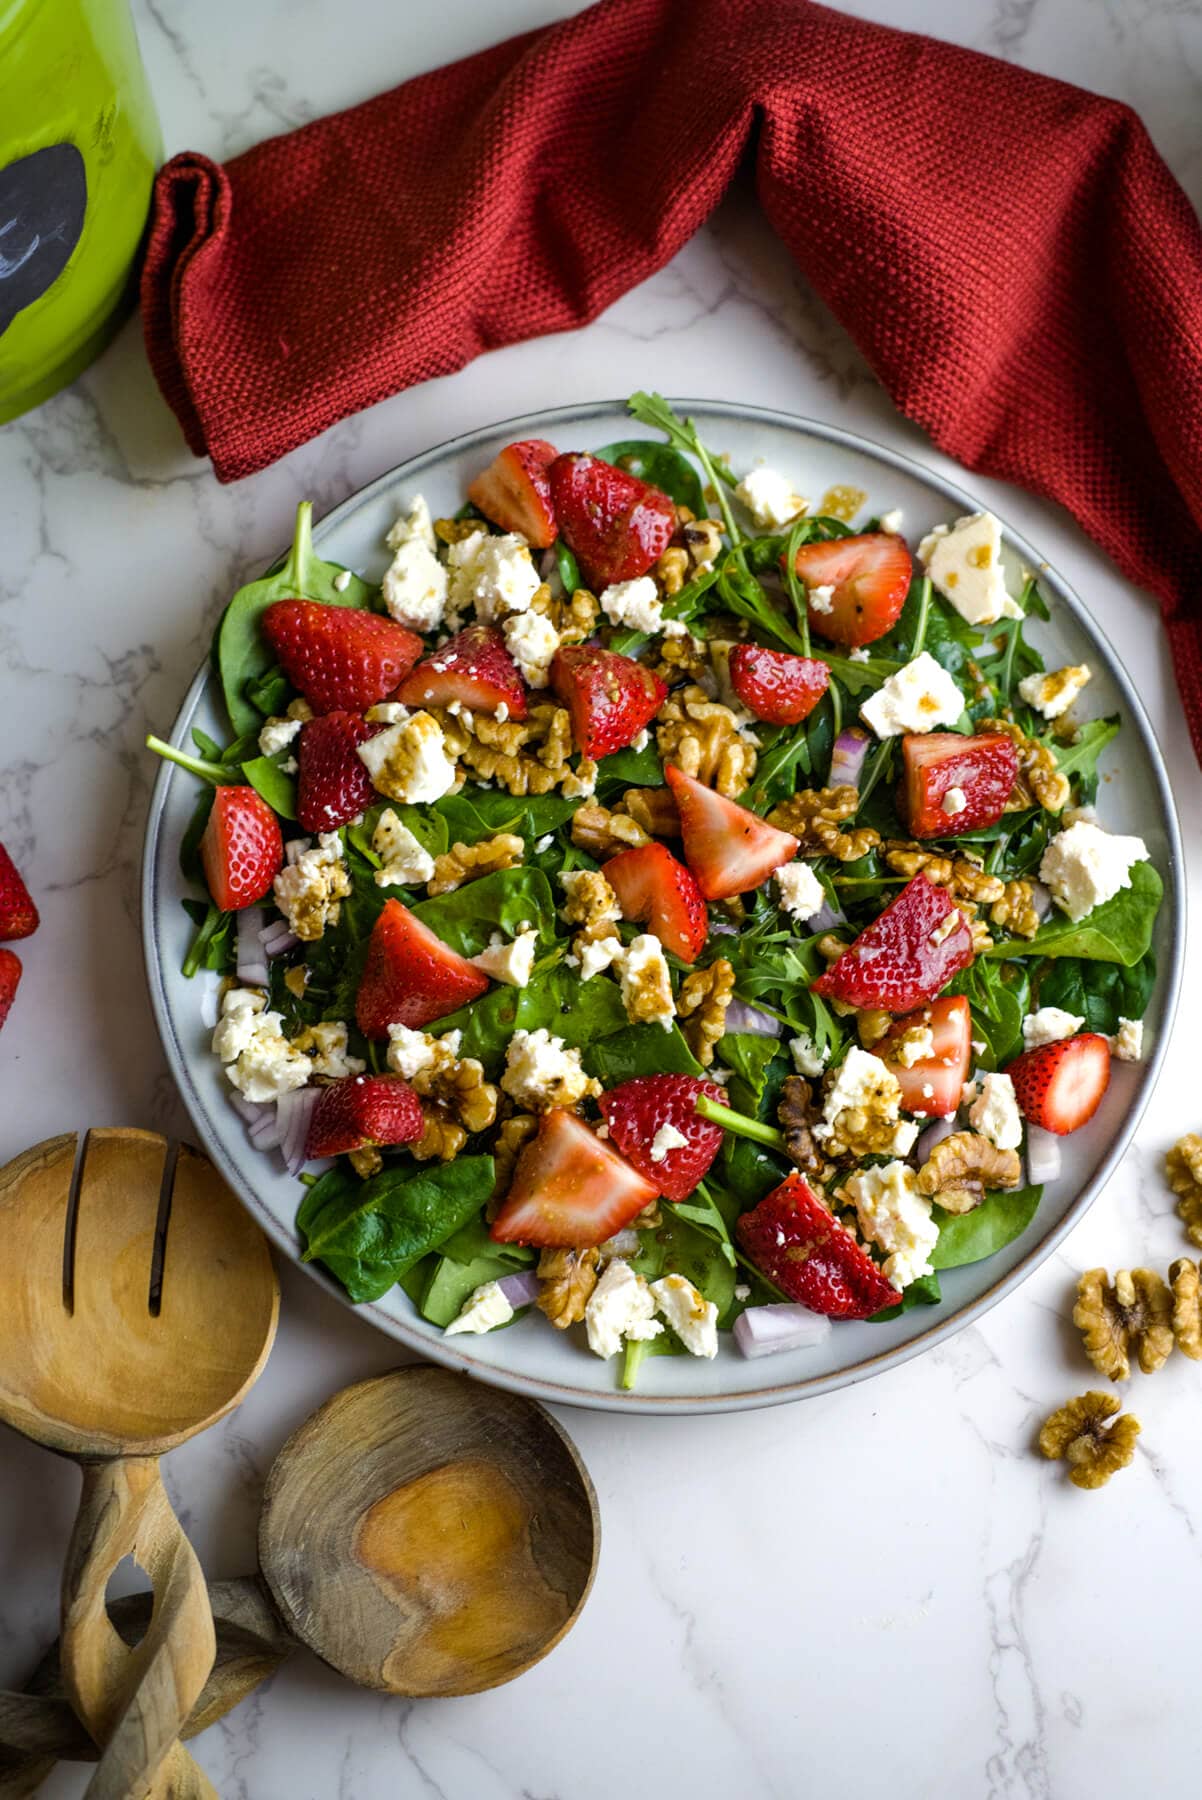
[{"x": 135, "y": 1701}]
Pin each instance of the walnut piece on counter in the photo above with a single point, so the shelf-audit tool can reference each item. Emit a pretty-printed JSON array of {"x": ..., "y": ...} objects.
[
  {"x": 1135, "y": 1312},
  {"x": 467, "y": 862},
  {"x": 701, "y": 1007},
  {"x": 963, "y": 1167},
  {"x": 1078, "y": 1433},
  {"x": 797, "y": 1114},
  {"x": 1039, "y": 781},
  {"x": 568, "y": 1278},
  {"x": 604, "y": 833},
  {"x": 1183, "y": 1167},
  {"x": 816, "y": 816},
  {"x": 701, "y": 737},
  {"x": 1186, "y": 1286}
]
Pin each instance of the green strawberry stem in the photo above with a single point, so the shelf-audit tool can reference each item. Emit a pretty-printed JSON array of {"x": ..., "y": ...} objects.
[
  {"x": 220, "y": 774},
  {"x": 739, "y": 1123}
]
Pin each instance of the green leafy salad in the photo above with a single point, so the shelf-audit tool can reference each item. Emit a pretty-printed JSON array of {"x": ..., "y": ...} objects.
[{"x": 661, "y": 906}]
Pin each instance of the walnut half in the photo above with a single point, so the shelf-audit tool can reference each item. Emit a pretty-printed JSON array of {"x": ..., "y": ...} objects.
[
  {"x": 568, "y": 1278},
  {"x": 1078, "y": 1433},
  {"x": 797, "y": 1114},
  {"x": 701, "y": 1004},
  {"x": 1135, "y": 1313},
  {"x": 467, "y": 862},
  {"x": 1183, "y": 1166},
  {"x": 961, "y": 1169},
  {"x": 1187, "y": 1306}
]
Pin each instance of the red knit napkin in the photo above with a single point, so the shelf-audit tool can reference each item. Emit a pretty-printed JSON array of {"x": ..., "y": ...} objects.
[{"x": 1010, "y": 253}]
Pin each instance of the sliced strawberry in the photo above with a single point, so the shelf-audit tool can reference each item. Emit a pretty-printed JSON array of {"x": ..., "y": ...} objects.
[
  {"x": 870, "y": 576},
  {"x": 615, "y": 523},
  {"x": 906, "y": 955},
  {"x": 363, "y": 1110},
  {"x": 10, "y": 978},
  {"x": 729, "y": 849},
  {"x": 474, "y": 669},
  {"x": 18, "y": 914},
  {"x": 242, "y": 848},
  {"x": 808, "y": 1255},
  {"x": 931, "y": 1086},
  {"x": 654, "y": 888},
  {"x": 777, "y": 687},
  {"x": 332, "y": 785},
  {"x": 640, "y": 1108},
  {"x": 980, "y": 769},
  {"x": 515, "y": 494},
  {"x": 340, "y": 658},
  {"x": 569, "y": 1188},
  {"x": 610, "y": 698},
  {"x": 1060, "y": 1085},
  {"x": 410, "y": 976}
]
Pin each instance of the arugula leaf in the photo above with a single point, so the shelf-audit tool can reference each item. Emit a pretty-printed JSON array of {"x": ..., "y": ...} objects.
[
  {"x": 1118, "y": 931},
  {"x": 748, "y": 1056},
  {"x": 368, "y": 1233},
  {"x": 652, "y": 409},
  {"x": 503, "y": 901},
  {"x": 972, "y": 1236},
  {"x": 660, "y": 466},
  {"x": 1099, "y": 993}
]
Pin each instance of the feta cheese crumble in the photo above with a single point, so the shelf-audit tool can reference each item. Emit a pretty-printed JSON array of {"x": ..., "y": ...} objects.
[
  {"x": 894, "y": 1216},
  {"x": 692, "y": 1317},
  {"x": 412, "y": 1052},
  {"x": 621, "y": 1306},
  {"x": 415, "y": 583},
  {"x": 667, "y": 1138},
  {"x": 276, "y": 735},
  {"x": 483, "y": 1310},
  {"x": 953, "y": 802},
  {"x": 408, "y": 762},
  {"x": 532, "y": 641},
  {"x": 310, "y": 889},
  {"x": 635, "y": 604},
  {"x": 1127, "y": 1044},
  {"x": 863, "y": 1084},
  {"x": 921, "y": 697},
  {"x": 821, "y": 598},
  {"x": 541, "y": 1072},
  {"x": 994, "y": 1112},
  {"x": 1048, "y": 1026},
  {"x": 964, "y": 561},
  {"x": 250, "y": 1041},
  {"x": 915, "y": 1046},
  {"x": 799, "y": 891},
  {"x": 807, "y": 1058},
  {"x": 646, "y": 983},
  {"x": 1053, "y": 694},
  {"x": 892, "y": 520},
  {"x": 598, "y": 956},
  {"x": 327, "y": 1045},
  {"x": 1086, "y": 866},
  {"x": 404, "y": 861},
  {"x": 491, "y": 576},
  {"x": 769, "y": 498},
  {"x": 511, "y": 963}
]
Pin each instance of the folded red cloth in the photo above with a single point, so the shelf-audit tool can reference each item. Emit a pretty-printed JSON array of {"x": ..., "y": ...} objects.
[{"x": 1010, "y": 253}]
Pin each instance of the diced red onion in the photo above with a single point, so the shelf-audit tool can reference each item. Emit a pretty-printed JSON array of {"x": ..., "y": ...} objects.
[
  {"x": 847, "y": 758},
  {"x": 1043, "y": 1155},
  {"x": 295, "y": 1113},
  {"x": 766, "y": 1330},
  {"x": 277, "y": 938},
  {"x": 265, "y": 1132},
  {"x": 521, "y": 1288},
  {"x": 741, "y": 1017},
  {"x": 723, "y": 928},
  {"x": 827, "y": 918},
  {"x": 252, "y": 964},
  {"x": 1041, "y": 899},
  {"x": 934, "y": 1134},
  {"x": 250, "y": 1110}
]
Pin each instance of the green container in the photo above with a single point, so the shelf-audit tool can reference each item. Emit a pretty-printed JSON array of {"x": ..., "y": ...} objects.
[{"x": 79, "y": 144}]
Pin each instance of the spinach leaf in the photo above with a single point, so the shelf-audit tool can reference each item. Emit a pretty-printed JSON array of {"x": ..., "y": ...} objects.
[
  {"x": 268, "y": 779},
  {"x": 630, "y": 768},
  {"x": 1118, "y": 931},
  {"x": 660, "y": 466},
  {"x": 243, "y": 654},
  {"x": 450, "y": 1283},
  {"x": 569, "y": 568},
  {"x": 473, "y": 1240},
  {"x": 639, "y": 1050},
  {"x": 699, "y": 1255},
  {"x": 555, "y": 1000},
  {"x": 1000, "y": 999},
  {"x": 502, "y": 901},
  {"x": 271, "y": 693},
  {"x": 972, "y": 1236},
  {"x": 189, "y": 848},
  {"x": 481, "y": 812},
  {"x": 1099, "y": 993},
  {"x": 923, "y": 1292},
  {"x": 748, "y": 1056},
  {"x": 367, "y": 1233},
  {"x": 215, "y": 944}
]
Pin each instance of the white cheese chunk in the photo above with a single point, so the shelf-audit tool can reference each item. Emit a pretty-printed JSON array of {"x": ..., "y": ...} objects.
[
  {"x": 259, "y": 1060},
  {"x": 621, "y": 1306},
  {"x": 635, "y": 604},
  {"x": 920, "y": 697},
  {"x": 692, "y": 1317},
  {"x": 491, "y": 576},
  {"x": 483, "y": 1310},
  {"x": 953, "y": 802},
  {"x": 892, "y": 520},
  {"x": 541, "y": 1072},
  {"x": 646, "y": 983},
  {"x": 994, "y": 1112},
  {"x": 821, "y": 598},
  {"x": 1086, "y": 866},
  {"x": 895, "y": 1216},
  {"x": 1048, "y": 1026},
  {"x": 1054, "y": 693},
  {"x": 799, "y": 891},
  {"x": 964, "y": 561},
  {"x": 666, "y": 1138},
  {"x": 511, "y": 963},
  {"x": 1127, "y": 1044},
  {"x": 769, "y": 498},
  {"x": 404, "y": 861},
  {"x": 415, "y": 583},
  {"x": 532, "y": 641},
  {"x": 408, "y": 762},
  {"x": 807, "y": 1058}
]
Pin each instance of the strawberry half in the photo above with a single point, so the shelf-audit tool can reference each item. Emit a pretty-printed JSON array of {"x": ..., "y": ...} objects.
[
  {"x": 340, "y": 658},
  {"x": 1060, "y": 1085},
  {"x": 870, "y": 576},
  {"x": 10, "y": 979},
  {"x": 638, "y": 1109},
  {"x": 982, "y": 768},
  {"x": 729, "y": 849},
  {"x": 18, "y": 914},
  {"x": 242, "y": 848},
  {"x": 808, "y": 1255},
  {"x": 775, "y": 686},
  {"x": 905, "y": 956},
  {"x": 945, "y": 1070},
  {"x": 332, "y": 785},
  {"x": 656, "y": 889},
  {"x": 410, "y": 976},
  {"x": 615, "y": 523},
  {"x": 610, "y": 698},
  {"x": 515, "y": 494},
  {"x": 569, "y": 1188},
  {"x": 473, "y": 668},
  {"x": 363, "y": 1110}
]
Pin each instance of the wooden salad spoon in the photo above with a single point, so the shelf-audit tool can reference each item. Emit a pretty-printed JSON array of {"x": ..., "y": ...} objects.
[
  {"x": 139, "y": 1304},
  {"x": 421, "y": 1534}
]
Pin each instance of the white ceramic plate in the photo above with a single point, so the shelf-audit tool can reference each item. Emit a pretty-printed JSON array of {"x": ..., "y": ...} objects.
[{"x": 529, "y": 1357}]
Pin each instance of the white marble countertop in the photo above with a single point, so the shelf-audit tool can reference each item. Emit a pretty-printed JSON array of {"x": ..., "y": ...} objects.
[{"x": 878, "y": 1593}]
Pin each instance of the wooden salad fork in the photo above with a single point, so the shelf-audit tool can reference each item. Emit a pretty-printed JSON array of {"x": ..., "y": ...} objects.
[{"x": 138, "y": 1304}]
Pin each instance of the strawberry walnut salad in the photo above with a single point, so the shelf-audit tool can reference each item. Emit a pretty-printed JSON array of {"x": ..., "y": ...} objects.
[{"x": 659, "y": 904}]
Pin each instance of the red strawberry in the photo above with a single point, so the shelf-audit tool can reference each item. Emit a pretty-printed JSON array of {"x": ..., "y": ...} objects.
[
  {"x": 332, "y": 784},
  {"x": 982, "y": 769},
  {"x": 905, "y": 956},
  {"x": 610, "y": 697},
  {"x": 615, "y": 523},
  {"x": 339, "y": 657},
  {"x": 945, "y": 1070},
  {"x": 729, "y": 849},
  {"x": 18, "y": 914},
  {"x": 410, "y": 976},
  {"x": 870, "y": 575},
  {"x": 241, "y": 849},
  {"x": 515, "y": 494},
  {"x": 655, "y": 888},
  {"x": 775, "y": 686},
  {"x": 363, "y": 1110},
  {"x": 569, "y": 1188},
  {"x": 10, "y": 976},
  {"x": 808, "y": 1255},
  {"x": 1060, "y": 1085},
  {"x": 473, "y": 668},
  {"x": 638, "y": 1109}
]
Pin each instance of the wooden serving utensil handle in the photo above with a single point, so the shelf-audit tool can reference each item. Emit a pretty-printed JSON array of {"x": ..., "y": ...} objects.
[{"x": 135, "y": 1701}]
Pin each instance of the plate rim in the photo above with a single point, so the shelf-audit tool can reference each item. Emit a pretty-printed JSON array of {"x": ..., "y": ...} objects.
[{"x": 451, "y": 1355}]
